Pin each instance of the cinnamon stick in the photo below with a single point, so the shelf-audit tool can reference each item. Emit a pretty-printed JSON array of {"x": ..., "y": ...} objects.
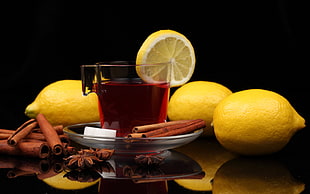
[
  {"x": 175, "y": 129},
  {"x": 198, "y": 124},
  {"x": 39, "y": 136},
  {"x": 31, "y": 149},
  {"x": 22, "y": 132},
  {"x": 146, "y": 128},
  {"x": 4, "y": 135},
  {"x": 35, "y": 136},
  {"x": 58, "y": 129},
  {"x": 136, "y": 135},
  {"x": 50, "y": 134},
  {"x": 6, "y": 131},
  {"x": 25, "y": 124}
]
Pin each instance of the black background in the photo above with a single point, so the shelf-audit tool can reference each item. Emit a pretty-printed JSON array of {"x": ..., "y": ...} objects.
[{"x": 241, "y": 44}]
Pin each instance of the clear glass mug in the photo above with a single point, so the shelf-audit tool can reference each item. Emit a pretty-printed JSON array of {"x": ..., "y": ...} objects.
[{"x": 127, "y": 97}]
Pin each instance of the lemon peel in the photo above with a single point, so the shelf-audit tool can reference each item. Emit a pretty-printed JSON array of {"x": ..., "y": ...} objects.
[
  {"x": 197, "y": 100},
  {"x": 255, "y": 122},
  {"x": 62, "y": 102}
]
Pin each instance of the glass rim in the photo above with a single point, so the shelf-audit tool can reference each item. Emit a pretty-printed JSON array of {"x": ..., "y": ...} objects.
[{"x": 123, "y": 64}]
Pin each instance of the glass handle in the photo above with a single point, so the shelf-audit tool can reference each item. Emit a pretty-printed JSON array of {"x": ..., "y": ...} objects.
[{"x": 89, "y": 79}]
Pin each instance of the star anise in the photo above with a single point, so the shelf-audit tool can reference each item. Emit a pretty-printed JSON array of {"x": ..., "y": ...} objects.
[
  {"x": 149, "y": 159},
  {"x": 86, "y": 158}
]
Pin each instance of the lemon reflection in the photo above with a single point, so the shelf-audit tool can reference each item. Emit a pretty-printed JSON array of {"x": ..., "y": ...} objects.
[
  {"x": 60, "y": 181},
  {"x": 255, "y": 175},
  {"x": 210, "y": 155}
]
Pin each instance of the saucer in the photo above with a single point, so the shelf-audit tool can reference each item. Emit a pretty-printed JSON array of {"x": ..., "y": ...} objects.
[{"x": 126, "y": 145}]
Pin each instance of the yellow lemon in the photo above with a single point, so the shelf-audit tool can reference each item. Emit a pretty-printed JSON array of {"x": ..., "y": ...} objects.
[
  {"x": 255, "y": 176},
  {"x": 210, "y": 155},
  {"x": 255, "y": 122},
  {"x": 62, "y": 102},
  {"x": 197, "y": 100},
  {"x": 60, "y": 182},
  {"x": 167, "y": 46}
]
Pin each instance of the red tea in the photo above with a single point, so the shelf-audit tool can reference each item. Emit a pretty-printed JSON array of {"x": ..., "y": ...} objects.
[{"x": 124, "y": 104}]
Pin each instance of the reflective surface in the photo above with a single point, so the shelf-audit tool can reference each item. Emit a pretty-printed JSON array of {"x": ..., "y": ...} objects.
[{"x": 202, "y": 166}]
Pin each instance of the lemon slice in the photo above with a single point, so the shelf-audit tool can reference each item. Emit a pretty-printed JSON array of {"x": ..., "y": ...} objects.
[{"x": 172, "y": 48}]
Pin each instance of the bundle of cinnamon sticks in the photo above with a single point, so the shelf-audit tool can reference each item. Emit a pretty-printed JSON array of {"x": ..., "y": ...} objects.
[
  {"x": 167, "y": 129},
  {"x": 35, "y": 138}
]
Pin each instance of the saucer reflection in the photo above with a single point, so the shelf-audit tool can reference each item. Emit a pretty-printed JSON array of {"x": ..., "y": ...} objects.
[{"x": 119, "y": 169}]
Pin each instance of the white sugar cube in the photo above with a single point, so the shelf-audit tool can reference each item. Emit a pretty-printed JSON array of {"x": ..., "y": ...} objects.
[{"x": 94, "y": 131}]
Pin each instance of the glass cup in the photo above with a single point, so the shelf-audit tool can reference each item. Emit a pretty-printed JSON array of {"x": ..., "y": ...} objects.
[{"x": 127, "y": 97}]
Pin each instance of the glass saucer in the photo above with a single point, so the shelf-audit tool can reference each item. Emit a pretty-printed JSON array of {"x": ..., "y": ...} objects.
[{"x": 126, "y": 145}]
